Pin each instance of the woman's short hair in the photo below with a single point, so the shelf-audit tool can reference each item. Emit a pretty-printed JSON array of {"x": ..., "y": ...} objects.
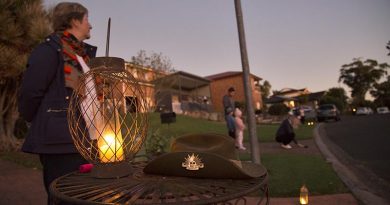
[{"x": 65, "y": 12}]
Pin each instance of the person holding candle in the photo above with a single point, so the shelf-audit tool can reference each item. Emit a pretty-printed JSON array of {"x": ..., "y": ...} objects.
[{"x": 51, "y": 76}]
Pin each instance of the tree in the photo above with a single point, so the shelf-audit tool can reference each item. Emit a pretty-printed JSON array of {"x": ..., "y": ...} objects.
[
  {"x": 360, "y": 76},
  {"x": 336, "y": 96},
  {"x": 265, "y": 89},
  {"x": 276, "y": 92},
  {"x": 163, "y": 66},
  {"x": 388, "y": 48},
  {"x": 155, "y": 61},
  {"x": 23, "y": 25},
  {"x": 381, "y": 93}
]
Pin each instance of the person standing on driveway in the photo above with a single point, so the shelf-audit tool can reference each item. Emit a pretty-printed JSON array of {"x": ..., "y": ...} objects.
[
  {"x": 229, "y": 107},
  {"x": 51, "y": 76}
]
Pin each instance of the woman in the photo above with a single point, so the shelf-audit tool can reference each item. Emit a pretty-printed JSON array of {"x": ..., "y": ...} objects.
[
  {"x": 51, "y": 76},
  {"x": 285, "y": 133}
]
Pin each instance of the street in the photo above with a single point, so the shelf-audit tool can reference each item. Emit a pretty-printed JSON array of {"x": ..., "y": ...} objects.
[{"x": 362, "y": 144}]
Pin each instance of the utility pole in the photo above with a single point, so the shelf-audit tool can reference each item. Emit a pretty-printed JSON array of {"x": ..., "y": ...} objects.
[{"x": 254, "y": 144}]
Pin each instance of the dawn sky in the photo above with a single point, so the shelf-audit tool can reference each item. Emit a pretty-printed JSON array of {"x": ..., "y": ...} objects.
[{"x": 291, "y": 43}]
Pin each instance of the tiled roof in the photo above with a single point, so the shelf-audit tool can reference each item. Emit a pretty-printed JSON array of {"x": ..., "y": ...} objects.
[
  {"x": 228, "y": 74},
  {"x": 313, "y": 96},
  {"x": 183, "y": 80},
  {"x": 281, "y": 98},
  {"x": 290, "y": 90}
]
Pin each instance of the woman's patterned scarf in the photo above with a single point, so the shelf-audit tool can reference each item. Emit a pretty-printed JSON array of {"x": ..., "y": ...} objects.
[{"x": 71, "y": 47}]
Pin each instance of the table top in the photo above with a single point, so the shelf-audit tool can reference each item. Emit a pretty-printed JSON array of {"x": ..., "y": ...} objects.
[{"x": 141, "y": 188}]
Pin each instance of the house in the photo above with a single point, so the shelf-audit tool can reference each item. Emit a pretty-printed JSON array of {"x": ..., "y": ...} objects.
[
  {"x": 146, "y": 77},
  {"x": 178, "y": 92},
  {"x": 143, "y": 76},
  {"x": 220, "y": 83},
  {"x": 182, "y": 92},
  {"x": 294, "y": 97},
  {"x": 287, "y": 96},
  {"x": 311, "y": 99}
]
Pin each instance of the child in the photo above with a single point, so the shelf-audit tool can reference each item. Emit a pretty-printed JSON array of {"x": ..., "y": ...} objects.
[{"x": 240, "y": 127}]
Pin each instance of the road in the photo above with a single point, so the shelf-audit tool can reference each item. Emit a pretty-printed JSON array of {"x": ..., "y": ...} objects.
[{"x": 363, "y": 144}]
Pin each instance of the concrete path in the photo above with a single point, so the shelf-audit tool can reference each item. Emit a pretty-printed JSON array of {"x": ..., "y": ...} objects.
[{"x": 20, "y": 185}]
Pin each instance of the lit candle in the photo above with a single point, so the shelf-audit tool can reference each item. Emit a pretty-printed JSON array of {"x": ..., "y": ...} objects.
[
  {"x": 110, "y": 147},
  {"x": 304, "y": 195},
  {"x": 110, "y": 142}
]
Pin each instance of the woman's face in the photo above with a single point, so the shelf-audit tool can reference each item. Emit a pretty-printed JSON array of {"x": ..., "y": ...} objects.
[
  {"x": 86, "y": 27},
  {"x": 83, "y": 28}
]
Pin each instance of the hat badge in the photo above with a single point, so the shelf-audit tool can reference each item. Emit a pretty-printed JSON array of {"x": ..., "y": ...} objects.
[{"x": 192, "y": 162}]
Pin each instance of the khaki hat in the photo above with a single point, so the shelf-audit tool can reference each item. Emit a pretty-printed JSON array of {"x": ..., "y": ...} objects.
[{"x": 204, "y": 156}]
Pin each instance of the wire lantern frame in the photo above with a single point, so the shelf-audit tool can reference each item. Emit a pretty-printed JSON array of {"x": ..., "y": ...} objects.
[{"x": 108, "y": 119}]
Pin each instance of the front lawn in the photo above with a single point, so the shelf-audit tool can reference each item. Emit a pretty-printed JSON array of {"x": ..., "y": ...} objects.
[
  {"x": 287, "y": 171},
  {"x": 186, "y": 125}
]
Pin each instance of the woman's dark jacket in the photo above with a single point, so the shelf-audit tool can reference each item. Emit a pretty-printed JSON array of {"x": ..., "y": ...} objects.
[
  {"x": 284, "y": 131},
  {"x": 44, "y": 99}
]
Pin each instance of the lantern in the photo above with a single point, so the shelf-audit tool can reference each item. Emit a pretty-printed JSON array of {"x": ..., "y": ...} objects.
[
  {"x": 304, "y": 195},
  {"x": 108, "y": 120}
]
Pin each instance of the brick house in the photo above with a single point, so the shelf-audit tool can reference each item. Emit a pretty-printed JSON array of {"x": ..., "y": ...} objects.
[
  {"x": 220, "y": 83},
  {"x": 145, "y": 76}
]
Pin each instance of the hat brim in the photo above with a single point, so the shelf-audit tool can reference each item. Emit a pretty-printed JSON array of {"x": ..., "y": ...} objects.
[{"x": 214, "y": 166}]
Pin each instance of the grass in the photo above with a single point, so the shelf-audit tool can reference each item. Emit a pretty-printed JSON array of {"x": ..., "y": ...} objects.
[
  {"x": 288, "y": 172},
  {"x": 186, "y": 125},
  {"x": 24, "y": 159}
]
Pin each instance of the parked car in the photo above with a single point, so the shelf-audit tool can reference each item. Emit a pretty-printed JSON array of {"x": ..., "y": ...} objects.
[
  {"x": 364, "y": 111},
  {"x": 309, "y": 113},
  {"x": 328, "y": 111},
  {"x": 382, "y": 110}
]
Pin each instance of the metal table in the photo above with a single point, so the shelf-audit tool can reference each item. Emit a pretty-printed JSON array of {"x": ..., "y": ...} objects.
[{"x": 140, "y": 188}]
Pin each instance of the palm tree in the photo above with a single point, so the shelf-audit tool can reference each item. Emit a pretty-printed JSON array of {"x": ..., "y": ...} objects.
[
  {"x": 24, "y": 25},
  {"x": 360, "y": 76}
]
